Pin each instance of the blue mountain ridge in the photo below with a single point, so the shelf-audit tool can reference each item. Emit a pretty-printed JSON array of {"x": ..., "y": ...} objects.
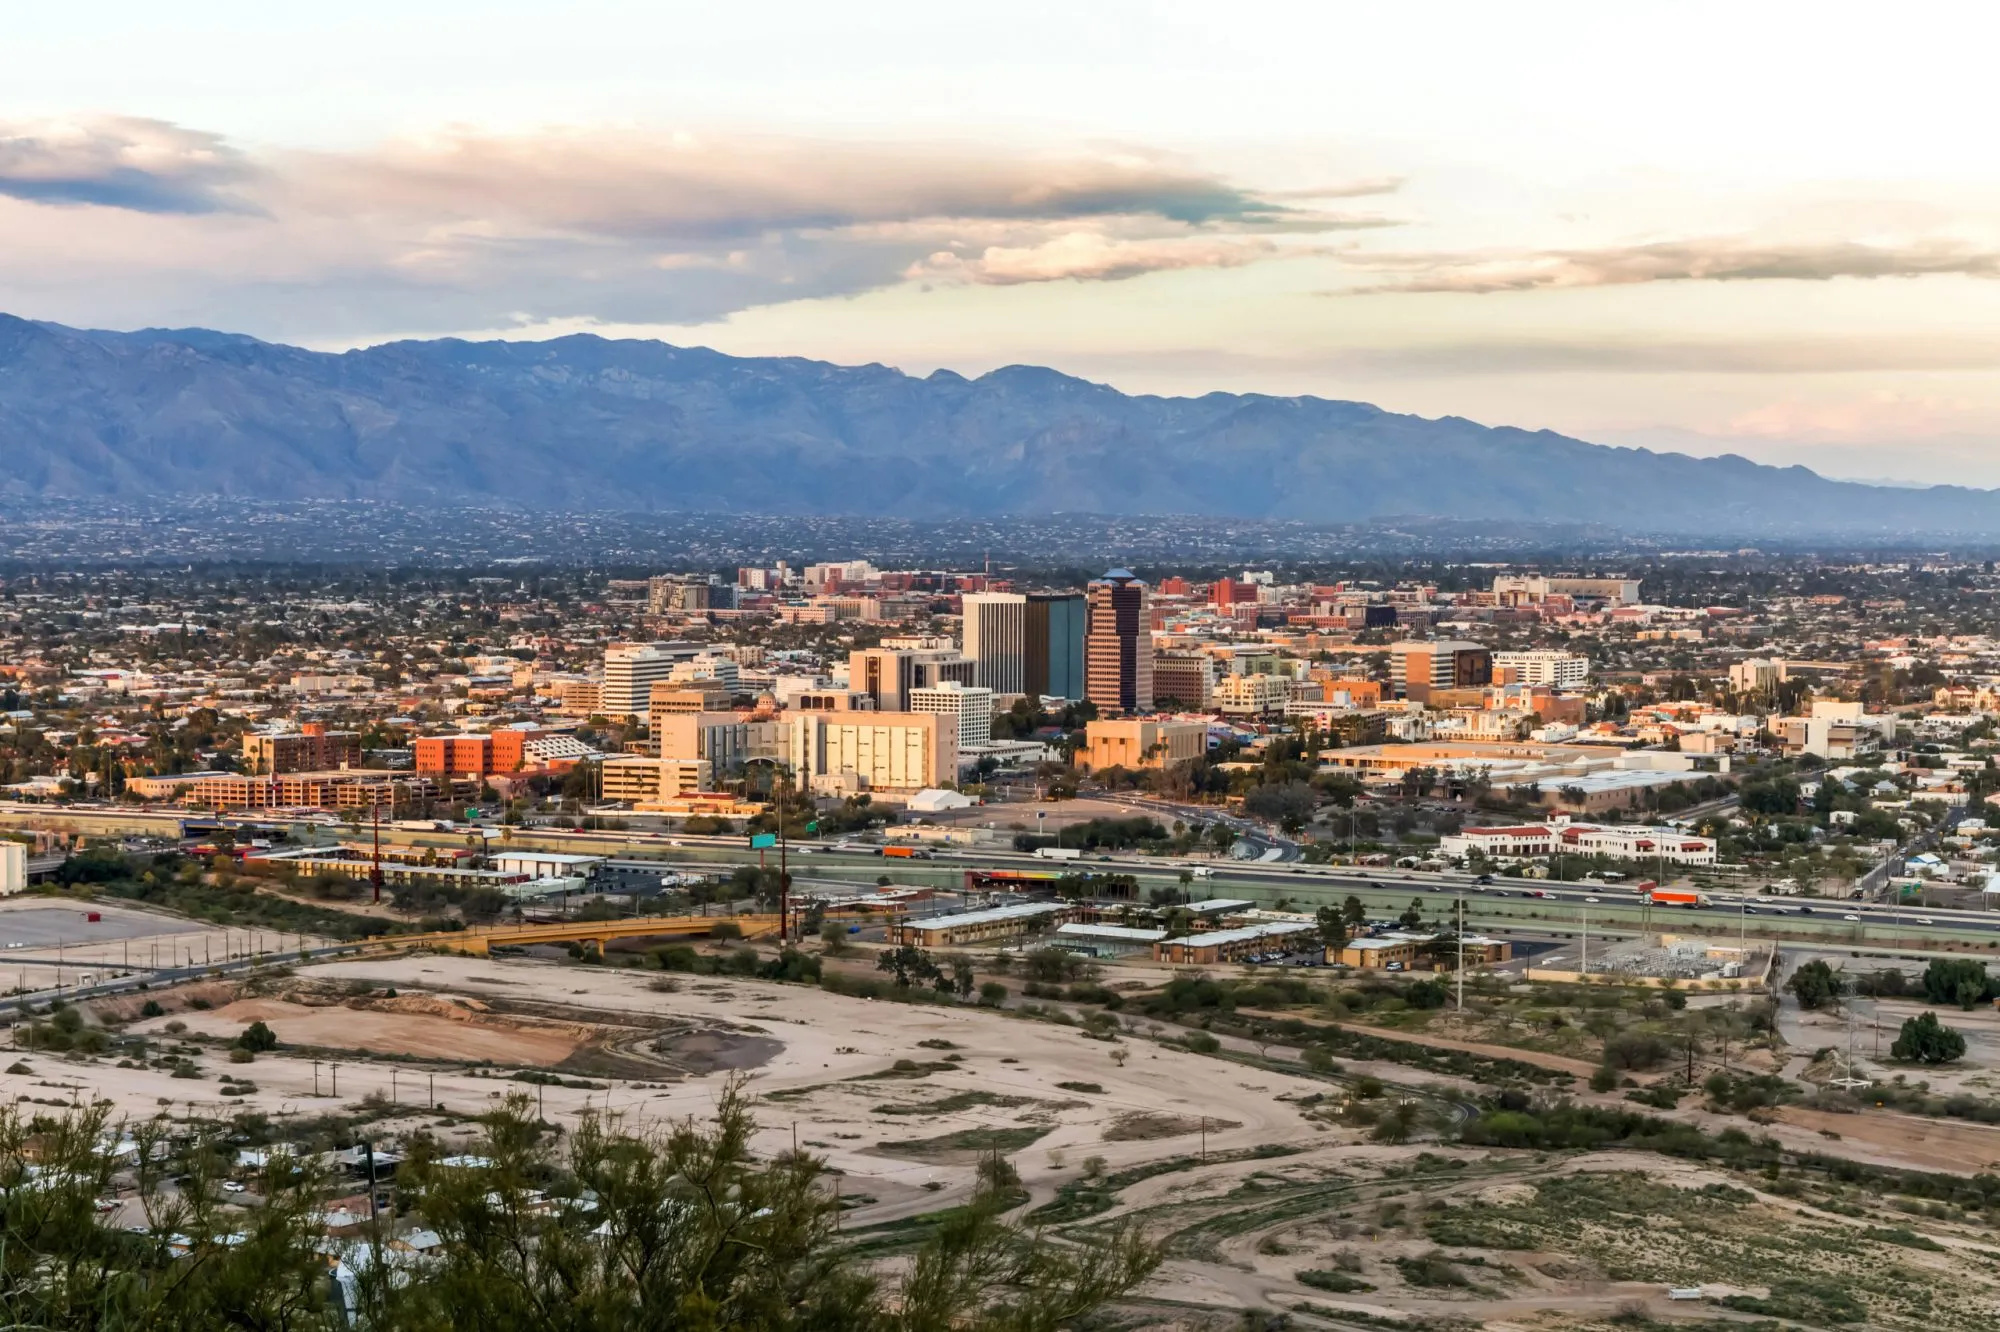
[{"x": 585, "y": 422}]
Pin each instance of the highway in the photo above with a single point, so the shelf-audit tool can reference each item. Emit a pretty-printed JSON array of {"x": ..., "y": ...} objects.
[
  {"x": 1277, "y": 876},
  {"x": 1505, "y": 903}
]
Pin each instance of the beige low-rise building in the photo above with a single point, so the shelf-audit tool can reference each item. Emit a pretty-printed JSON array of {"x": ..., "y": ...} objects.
[
  {"x": 890, "y": 752},
  {"x": 1139, "y": 742}
]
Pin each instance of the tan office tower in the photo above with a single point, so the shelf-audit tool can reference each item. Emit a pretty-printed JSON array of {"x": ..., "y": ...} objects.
[{"x": 1118, "y": 644}]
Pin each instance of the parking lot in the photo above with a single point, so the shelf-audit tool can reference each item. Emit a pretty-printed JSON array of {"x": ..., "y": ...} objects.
[{"x": 44, "y": 927}]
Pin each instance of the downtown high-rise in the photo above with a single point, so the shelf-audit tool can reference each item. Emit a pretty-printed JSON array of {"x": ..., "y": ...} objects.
[{"x": 1118, "y": 644}]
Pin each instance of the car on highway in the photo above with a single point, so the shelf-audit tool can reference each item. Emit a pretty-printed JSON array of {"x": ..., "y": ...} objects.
[
  {"x": 1925, "y": 920},
  {"x": 1483, "y": 880},
  {"x": 1591, "y": 900},
  {"x": 1851, "y": 916}
]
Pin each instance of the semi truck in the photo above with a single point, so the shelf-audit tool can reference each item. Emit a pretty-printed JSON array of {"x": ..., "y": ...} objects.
[
  {"x": 1058, "y": 853},
  {"x": 1677, "y": 897}
]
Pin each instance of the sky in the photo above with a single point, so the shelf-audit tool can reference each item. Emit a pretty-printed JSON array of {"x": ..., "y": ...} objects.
[{"x": 1766, "y": 229}]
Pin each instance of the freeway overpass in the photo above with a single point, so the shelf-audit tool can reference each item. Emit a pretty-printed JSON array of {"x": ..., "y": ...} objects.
[{"x": 481, "y": 941}]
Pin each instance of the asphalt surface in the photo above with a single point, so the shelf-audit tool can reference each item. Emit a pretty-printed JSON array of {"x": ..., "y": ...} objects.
[
  {"x": 45, "y": 927},
  {"x": 1505, "y": 901}
]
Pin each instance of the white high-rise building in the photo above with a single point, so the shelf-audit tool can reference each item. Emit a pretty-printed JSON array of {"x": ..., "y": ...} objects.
[
  {"x": 996, "y": 640},
  {"x": 1546, "y": 666},
  {"x": 630, "y": 672},
  {"x": 971, "y": 704}
]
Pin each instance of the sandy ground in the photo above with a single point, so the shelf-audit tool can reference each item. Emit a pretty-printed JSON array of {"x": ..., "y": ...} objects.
[
  {"x": 421, "y": 1034},
  {"x": 824, "y": 1040}
]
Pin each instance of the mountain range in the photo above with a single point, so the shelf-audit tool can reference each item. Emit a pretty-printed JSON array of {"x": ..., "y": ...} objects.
[{"x": 584, "y": 422}]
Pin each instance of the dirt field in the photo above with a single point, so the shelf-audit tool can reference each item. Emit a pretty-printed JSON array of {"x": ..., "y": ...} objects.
[
  {"x": 825, "y": 1073},
  {"x": 422, "y": 1035},
  {"x": 1263, "y": 1199}
]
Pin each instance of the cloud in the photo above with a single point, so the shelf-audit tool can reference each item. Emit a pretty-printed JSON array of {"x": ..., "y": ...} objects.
[
  {"x": 1094, "y": 257},
  {"x": 693, "y": 187},
  {"x": 620, "y": 226},
  {"x": 146, "y": 166},
  {"x": 1716, "y": 259}
]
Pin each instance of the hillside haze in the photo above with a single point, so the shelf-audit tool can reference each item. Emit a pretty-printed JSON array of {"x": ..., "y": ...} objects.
[{"x": 585, "y": 422}]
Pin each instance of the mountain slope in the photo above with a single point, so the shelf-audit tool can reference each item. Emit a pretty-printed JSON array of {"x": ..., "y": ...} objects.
[{"x": 584, "y": 422}]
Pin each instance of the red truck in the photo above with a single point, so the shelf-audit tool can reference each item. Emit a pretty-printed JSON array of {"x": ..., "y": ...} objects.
[
  {"x": 1677, "y": 897},
  {"x": 904, "y": 853}
]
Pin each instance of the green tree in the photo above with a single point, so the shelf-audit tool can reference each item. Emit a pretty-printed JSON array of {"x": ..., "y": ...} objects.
[
  {"x": 1413, "y": 915},
  {"x": 1333, "y": 929},
  {"x": 1955, "y": 980},
  {"x": 907, "y": 964},
  {"x": 258, "y": 1038},
  {"x": 1925, "y": 1040},
  {"x": 1398, "y": 1122},
  {"x": 1357, "y": 914},
  {"x": 686, "y": 1229},
  {"x": 594, "y": 1231},
  {"x": 1816, "y": 985}
]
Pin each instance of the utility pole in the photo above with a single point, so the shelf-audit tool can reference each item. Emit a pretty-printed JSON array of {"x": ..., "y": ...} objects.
[
  {"x": 1461, "y": 952},
  {"x": 375, "y": 864},
  {"x": 1583, "y": 955},
  {"x": 784, "y": 874}
]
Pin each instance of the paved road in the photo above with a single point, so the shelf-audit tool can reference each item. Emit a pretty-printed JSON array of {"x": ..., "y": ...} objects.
[{"x": 1557, "y": 906}]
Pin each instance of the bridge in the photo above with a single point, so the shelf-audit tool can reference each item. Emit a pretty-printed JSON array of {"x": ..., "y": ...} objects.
[{"x": 481, "y": 941}]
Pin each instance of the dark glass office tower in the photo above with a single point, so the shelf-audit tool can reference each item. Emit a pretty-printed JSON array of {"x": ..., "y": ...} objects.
[{"x": 1056, "y": 622}]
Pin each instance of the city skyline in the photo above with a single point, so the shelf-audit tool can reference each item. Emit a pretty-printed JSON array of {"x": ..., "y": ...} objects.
[{"x": 1613, "y": 225}]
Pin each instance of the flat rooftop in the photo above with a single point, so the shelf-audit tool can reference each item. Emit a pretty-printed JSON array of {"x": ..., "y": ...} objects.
[
  {"x": 1077, "y": 930},
  {"x": 992, "y": 915},
  {"x": 1244, "y": 934}
]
